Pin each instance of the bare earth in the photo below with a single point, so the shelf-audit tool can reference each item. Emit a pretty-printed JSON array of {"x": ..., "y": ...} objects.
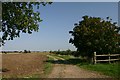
[
  {"x": 21, "y": 65},
  {"x": 72, "y": 71}
]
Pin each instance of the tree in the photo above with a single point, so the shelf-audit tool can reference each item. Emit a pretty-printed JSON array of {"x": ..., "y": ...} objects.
[
  {"x": 25, "y": 51},
  {"x": 94, "y": 34},
  {"x": 19, "y": 17}
]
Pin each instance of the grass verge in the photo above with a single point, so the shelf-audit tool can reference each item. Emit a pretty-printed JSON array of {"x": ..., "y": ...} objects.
[
  {"x": 48, "y": 67},
  {"x": 112, "y": 69}
]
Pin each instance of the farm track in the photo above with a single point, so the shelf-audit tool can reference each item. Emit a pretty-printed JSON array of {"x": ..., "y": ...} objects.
[{"x": 70, "y": 71}]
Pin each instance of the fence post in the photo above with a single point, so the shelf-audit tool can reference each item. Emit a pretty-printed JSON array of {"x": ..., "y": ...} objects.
[
  {"x": 109, "y": 58},
  {"x": 94, "y": 57}
]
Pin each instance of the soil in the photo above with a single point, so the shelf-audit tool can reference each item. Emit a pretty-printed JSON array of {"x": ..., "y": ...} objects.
[{"x": 20, "y": 65}]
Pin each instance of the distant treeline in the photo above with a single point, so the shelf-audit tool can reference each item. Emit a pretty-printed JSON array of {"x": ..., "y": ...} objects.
[
  {"x": 25, "y": 51},
  {"x": 67, "y": 52},
  {"x": 11, "y": 51}
]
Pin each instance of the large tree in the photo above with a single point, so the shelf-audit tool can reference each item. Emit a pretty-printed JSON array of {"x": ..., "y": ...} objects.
[
  {"x": 94, "y": 34},
  {"x": 19, "y": 17}
]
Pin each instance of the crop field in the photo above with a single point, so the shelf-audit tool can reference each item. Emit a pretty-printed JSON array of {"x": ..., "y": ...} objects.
[{"x": 23, "y": 65}]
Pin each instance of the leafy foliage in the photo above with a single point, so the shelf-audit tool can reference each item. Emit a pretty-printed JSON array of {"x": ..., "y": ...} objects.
[
  {"x": 25, "y": 51},
  {"x": 19, "y": 17},
  {"x": 94, "y": 34}
]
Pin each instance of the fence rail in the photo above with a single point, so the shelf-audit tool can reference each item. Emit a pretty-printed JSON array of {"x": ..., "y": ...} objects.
[{"x": 108, "y": 59}]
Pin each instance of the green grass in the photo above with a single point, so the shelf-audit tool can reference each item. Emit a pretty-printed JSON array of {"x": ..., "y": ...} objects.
[
  {"x": 48, "y": 67},
  {"x": 62, "y": 56},
  {"x": 65, "y": 56},
  {"x": 112, "y": 69}
]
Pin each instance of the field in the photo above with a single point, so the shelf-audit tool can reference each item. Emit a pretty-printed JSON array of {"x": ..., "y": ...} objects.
[
  {"x": 46, "y": 65},
  {"x": 23, "y": 65}
]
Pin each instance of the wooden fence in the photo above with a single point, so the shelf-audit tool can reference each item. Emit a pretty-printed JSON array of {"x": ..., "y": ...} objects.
[{"x": 108, "y": 57}]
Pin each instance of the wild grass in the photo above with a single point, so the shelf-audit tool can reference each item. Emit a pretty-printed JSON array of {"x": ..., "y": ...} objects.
[{"x": 48, "y": 67}]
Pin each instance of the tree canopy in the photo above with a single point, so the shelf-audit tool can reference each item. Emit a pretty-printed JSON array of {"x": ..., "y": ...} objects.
[
  {"x": 94, "y": 34},
  {"x": 19, "y": 17}
]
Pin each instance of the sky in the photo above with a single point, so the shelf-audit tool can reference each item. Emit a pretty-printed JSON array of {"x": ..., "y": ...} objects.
[
  {"x": 61, "y": 0},
  {"x": 58, "y": 19}
]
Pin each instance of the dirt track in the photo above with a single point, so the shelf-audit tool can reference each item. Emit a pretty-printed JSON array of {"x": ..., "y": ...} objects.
[{"x": 72, "y": 71}]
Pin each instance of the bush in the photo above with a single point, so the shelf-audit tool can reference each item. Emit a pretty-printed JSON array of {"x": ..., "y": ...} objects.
[
  {"x": 67, "y": 52},
  {"x": 94, "y": 34},
  {"x": 25, "y": 51}
]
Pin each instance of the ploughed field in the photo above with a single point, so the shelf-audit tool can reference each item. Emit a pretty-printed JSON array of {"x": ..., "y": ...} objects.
[{"x": 23, "y": 65}]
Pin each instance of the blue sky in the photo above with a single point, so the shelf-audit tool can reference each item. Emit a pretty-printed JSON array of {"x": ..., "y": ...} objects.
[{"x": 58, "y": 20}]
